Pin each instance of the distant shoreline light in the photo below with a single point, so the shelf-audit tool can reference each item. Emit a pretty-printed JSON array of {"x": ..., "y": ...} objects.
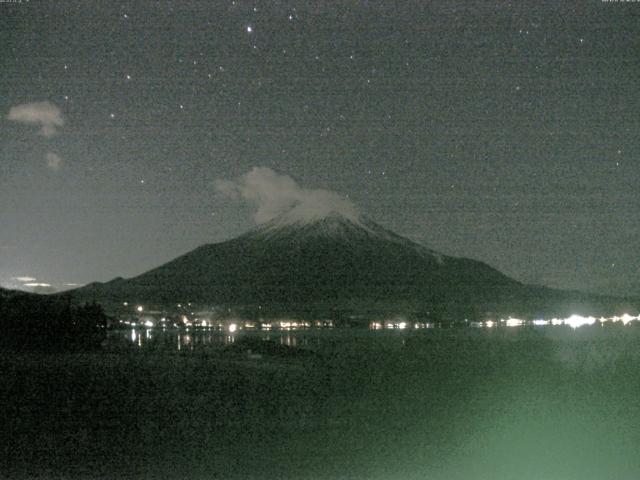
[
  {"x": 205, "y": 320},
  {"x": 573, "y": 321}
]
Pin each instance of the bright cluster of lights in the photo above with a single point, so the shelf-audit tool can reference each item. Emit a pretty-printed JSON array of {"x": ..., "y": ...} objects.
[
  {"x": 514, "y": 322},
  {"x": 573, "y": 321},
  {"x": 626, "y": 318},
  {"x": 399, "y": 325},
  {"x": 148, "y": 320},
  {"x": 423, "y": 325},
  {"x": 293, "y": 324}
]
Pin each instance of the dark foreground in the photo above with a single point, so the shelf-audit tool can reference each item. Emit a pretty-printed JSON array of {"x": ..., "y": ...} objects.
[{"x": 525, "y": 404}]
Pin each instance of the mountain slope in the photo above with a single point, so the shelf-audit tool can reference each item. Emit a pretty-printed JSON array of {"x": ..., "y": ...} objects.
[{"x": 331, "y": 263}]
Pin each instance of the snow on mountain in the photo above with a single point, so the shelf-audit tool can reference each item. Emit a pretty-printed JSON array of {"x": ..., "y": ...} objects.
[{"x": 296, "y": 226}]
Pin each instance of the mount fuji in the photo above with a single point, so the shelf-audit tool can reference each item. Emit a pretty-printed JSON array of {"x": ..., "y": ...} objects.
[{"x": 331, "y": 263}]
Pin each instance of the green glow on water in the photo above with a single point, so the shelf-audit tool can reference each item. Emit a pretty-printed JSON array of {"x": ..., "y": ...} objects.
[{"x": 481, "y": 404}]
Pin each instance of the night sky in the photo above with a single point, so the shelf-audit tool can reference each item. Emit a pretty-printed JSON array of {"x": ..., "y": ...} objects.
[{"x": 504, "y": 131}]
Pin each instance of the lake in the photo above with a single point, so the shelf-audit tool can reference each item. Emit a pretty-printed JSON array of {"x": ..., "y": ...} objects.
[{"x": 547, "y": 402}]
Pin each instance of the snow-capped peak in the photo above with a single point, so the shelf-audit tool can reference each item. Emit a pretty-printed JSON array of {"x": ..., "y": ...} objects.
[
  {"x": 318, "y": 207},
  {"x": 307, "y": 213},
  {"x": 301, "y": 225},
  {"x": 324, "y": 222},
  {"x": 303, "y": 222}
]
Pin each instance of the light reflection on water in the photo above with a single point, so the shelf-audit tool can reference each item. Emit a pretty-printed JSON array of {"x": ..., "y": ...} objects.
[
  {"x": 196, "y": 338},
  {"x": 194, "y": 335},
  {"x": 193, "y": 339}
]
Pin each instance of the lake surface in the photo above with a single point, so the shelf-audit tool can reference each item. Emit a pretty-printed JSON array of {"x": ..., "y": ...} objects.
[
  {"x": 208, "y": 339},
  {"x": 549, "y": 402}
]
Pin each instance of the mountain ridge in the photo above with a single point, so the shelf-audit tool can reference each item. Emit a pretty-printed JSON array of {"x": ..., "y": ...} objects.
[{"x": 327, "y": 264}]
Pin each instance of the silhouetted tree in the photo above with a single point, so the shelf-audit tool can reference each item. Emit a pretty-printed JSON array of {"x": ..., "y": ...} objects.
[{"x": 33, "y": 322}]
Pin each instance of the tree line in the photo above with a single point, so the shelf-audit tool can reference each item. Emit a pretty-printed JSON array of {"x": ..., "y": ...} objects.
[{"x": 35, "y": 322}]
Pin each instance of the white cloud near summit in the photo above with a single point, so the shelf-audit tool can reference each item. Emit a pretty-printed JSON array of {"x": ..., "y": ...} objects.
[
  {"x": 272, "y": 194},
  {"x": 46, "y": 115}
]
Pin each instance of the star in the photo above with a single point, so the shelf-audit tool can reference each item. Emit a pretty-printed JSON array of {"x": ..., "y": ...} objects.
[{"x": 249, "y": 29}]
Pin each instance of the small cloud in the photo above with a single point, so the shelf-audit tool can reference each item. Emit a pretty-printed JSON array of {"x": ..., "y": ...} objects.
[
  {"x": 40, "y": 287},
  {"x": 44, "y": 114},
  {"x": 24, "y": 279},
  {"x": 31, "y": 284},
  {"x": 54, "y": 162},
  {"x": 274, "y": 194}
]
